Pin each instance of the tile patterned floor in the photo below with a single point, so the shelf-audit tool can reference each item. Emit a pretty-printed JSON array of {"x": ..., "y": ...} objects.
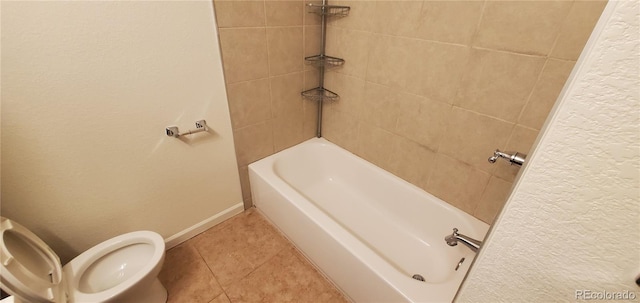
[{"x": 244, "y": 259}]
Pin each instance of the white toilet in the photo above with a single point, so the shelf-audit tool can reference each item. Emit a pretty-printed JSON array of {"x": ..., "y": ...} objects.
[{"x": 122, "y": 269}]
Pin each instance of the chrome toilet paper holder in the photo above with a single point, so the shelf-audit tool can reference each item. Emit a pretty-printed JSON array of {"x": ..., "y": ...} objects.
[{"x": 201, "y": 126}]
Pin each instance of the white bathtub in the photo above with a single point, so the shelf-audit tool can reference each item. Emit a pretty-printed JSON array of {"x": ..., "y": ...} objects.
[{"x": 366, "y": 229}]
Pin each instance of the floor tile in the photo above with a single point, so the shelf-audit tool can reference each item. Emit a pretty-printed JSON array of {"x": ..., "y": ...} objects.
[
  {"x": 238, "y": 246},
  {"x": 187, "y": 277},
  {"x": 254, "y": 261},
  {"x": 287, "y": 277},
  {"x": 221, "y": 299}
]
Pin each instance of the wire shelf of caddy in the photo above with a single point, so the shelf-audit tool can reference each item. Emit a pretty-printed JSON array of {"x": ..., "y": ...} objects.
[
  {"x": 329, "y": 10},
  {"x": 320, "y": 94}
]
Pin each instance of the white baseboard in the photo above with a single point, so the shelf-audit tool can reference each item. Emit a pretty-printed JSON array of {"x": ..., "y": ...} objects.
[{"x": 203, "y": 225}]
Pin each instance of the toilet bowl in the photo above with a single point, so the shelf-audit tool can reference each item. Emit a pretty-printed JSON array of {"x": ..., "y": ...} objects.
[{"x": 122, "y": 269}]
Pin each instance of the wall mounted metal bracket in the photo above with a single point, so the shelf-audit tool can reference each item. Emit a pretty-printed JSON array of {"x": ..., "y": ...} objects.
[{"x": 201, "y": 126}]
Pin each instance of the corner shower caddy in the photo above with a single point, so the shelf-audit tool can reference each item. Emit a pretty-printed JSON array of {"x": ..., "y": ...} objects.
[{"x": 322, "y": 61}]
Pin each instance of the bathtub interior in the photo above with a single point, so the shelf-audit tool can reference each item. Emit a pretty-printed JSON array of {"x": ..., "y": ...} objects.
[{"x": 400, "y": 222}]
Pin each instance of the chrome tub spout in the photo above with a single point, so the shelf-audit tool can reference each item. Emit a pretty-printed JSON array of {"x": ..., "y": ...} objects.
[{"x": 455, "y": 237}]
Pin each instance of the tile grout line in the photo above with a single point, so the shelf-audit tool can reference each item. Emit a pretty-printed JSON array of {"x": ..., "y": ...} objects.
[
  {"x": 209, "y": 268},
  {"x": 271, "y": 118},
  {"x": 259, "y": 266}
]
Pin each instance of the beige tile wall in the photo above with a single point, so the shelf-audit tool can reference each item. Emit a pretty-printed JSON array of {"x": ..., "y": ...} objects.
[
  {"x": 263, "y": 45},
  {"x": 431, "y": 88}
]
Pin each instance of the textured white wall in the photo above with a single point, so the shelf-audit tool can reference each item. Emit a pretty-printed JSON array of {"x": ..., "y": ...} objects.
[
  {"x": 87, "y": 90},
  {"x": 573, "y": 219}
]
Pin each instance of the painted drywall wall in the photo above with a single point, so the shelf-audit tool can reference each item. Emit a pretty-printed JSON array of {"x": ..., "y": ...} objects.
[
  {"x": 88, "y": 88},
  {"x": 571, "y": 223}
]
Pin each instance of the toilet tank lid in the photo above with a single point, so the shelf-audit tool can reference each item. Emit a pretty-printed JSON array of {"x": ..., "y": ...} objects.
[{"x": 29, "y": 268}]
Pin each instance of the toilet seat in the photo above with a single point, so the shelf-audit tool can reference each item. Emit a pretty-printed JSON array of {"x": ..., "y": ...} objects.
[{"x": 31, "y": 270}]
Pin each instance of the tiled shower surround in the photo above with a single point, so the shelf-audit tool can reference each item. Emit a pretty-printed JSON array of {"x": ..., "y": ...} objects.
[{"x": 428, "y": 91}]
